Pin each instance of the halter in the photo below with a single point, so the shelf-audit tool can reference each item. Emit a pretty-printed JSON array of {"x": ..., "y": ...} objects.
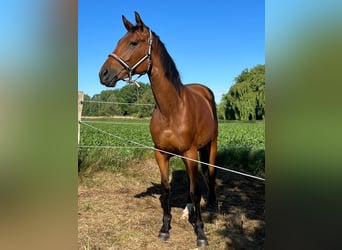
[{"x": 130, "y": 70}]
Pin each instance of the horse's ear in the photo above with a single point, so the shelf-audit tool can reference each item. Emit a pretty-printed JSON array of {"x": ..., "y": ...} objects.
[
  {"x": 138, "y": 20},
  {"x": 128, "y": 24}
]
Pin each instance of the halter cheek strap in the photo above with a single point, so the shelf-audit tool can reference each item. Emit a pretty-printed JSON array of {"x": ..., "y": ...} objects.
[{"x": 130, "y": 70}]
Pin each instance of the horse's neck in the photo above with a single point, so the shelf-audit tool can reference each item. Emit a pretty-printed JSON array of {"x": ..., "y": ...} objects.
[{"x": 167, "y": 96}]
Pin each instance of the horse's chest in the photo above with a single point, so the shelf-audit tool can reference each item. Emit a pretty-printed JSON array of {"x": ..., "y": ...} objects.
[
  {"x": 165, "y": 136},
  {"x": 169, "y": 138}
]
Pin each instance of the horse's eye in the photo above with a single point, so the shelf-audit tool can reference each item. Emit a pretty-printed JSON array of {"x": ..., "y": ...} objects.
[{"x": 133, "y": 43}]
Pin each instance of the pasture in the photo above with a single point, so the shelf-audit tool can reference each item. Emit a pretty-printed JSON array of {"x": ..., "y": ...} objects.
[
  {"x": 119, "y": 189},
  {"x": 241, "y": 145}
]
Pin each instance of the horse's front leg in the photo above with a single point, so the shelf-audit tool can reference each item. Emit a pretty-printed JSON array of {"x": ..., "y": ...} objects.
[
  {"x": 163, "y": 163},
  {"x": 195, "y": 217}
]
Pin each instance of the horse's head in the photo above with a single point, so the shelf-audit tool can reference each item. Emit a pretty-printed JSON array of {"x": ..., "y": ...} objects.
[{"x": 132, "y": 54}]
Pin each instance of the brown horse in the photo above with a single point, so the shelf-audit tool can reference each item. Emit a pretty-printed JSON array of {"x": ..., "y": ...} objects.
[{"x": 184, "y": 119}]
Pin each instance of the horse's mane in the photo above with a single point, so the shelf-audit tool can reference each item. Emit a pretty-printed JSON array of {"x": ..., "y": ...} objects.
[{"x": 168, "y": 64}]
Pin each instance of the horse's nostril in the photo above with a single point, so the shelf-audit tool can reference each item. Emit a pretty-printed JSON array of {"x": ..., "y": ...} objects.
[{"x": 103, "y": 73}]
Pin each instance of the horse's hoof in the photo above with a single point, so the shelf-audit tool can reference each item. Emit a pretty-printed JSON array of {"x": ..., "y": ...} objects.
[
  {"x": 202, "y": 243},
  {"x": 164, "y": 236}
]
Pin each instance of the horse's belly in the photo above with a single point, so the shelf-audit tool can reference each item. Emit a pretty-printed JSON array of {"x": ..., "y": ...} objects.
[{"x": 207, "y": 133}]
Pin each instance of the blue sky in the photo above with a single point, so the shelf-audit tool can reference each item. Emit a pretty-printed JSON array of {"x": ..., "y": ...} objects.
[{"x": 211, "y": 42}]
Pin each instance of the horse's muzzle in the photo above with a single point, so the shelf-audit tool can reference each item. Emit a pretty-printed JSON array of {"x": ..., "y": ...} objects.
[{"x": 108, "y": 78}]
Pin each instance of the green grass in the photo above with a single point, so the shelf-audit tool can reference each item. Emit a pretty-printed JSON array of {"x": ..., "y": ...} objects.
[{"x": 241, "y": 146}]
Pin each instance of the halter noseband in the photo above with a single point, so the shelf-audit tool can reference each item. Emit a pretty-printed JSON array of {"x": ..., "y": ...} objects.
[{"x": 130, "y": 70}]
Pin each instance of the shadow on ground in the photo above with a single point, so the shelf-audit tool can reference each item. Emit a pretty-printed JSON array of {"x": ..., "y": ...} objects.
[{"x": 241, "y": 207}]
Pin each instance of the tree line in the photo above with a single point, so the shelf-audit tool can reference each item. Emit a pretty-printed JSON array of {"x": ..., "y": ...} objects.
[
  {"x": 245, "y": 100},
  {"x": 120, "y": 102}
]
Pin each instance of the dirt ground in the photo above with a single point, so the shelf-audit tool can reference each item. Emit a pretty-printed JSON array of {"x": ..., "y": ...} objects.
[{"x": 121, "y": 210}]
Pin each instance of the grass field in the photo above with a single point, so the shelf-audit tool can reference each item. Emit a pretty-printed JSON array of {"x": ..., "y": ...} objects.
[{"x": 241, "y": 146}]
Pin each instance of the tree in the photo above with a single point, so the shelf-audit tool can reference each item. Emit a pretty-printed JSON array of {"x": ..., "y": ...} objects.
[
  {"x": 86, "y": 108},
  {"x": 147, "y": 98},
  {"x": 245, "y": 100}
]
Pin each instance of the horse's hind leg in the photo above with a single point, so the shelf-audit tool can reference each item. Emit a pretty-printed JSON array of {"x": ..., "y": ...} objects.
[
  {"x": 208, "y": 154},
  {"x": 163, "y": 163},
  {"x": 195, "y": 194},
  {"x": 188, "y": 207}
]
